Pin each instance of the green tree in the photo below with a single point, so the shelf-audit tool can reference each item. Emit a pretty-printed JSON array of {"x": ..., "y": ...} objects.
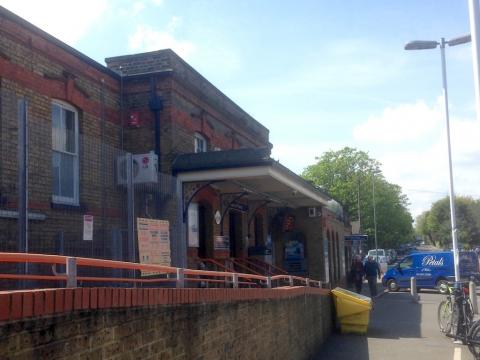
[
  {"x": 435, "y": 224},
  {"x": 348, "y": 175},
  {"x": 421, "y": 228}
]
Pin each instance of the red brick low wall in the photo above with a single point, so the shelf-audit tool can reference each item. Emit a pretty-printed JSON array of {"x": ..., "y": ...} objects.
[{"x": 101, "y": 323}]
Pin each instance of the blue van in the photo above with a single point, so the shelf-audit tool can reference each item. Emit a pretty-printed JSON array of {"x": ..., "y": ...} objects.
[{"x": 431, "y": 269}]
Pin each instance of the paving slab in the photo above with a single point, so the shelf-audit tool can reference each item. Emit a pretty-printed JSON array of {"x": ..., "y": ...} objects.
[{"x": 399, "y": 329}]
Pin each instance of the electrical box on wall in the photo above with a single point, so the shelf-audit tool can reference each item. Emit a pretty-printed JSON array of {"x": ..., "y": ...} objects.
[
  {"x": 144, "y": 169},
  {"x": 314, "y": 212}
]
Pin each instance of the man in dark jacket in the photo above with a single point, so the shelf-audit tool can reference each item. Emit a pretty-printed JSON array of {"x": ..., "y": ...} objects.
[
  {"x": 372, "y": 270},
  {"x": 357, "y": 273}
]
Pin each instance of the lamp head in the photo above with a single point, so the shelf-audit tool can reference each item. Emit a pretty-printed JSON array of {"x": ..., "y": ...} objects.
[
  {"x": 421, "y": 45},
  {"x": 459, "y": 40}
]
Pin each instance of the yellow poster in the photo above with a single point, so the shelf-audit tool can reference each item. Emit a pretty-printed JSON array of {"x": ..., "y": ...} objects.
[{"x": 153, "y": 242}]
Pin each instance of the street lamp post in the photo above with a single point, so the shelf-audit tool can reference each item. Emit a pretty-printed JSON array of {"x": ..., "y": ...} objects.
[
  {"x": 474, "y": 12},
  {"x": 358, "y": 207},
  {"x": 425, "y": 45},
  {"x": 374, "y": 216}
]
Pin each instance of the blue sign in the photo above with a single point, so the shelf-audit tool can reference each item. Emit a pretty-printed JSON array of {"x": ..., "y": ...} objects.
[
  {"x": 356, "y": 237},
  {"x": 294, "y": 250}
]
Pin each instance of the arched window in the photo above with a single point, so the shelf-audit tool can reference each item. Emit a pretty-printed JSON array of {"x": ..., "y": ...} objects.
[{"x": 65, "y": 172}]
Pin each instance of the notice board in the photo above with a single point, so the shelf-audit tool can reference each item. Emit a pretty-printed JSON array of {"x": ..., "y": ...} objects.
[
  {"x": 153, "y": 242},
  {"x": 88, "y": 227}
]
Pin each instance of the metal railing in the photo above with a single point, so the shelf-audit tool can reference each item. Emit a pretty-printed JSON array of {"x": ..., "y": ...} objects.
[
  {"x": 271, "y": 269},
  {"x": 177, "y": 277}
]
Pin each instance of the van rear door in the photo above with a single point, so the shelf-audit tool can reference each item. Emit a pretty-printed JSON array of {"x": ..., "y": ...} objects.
[{"x": 468, "y": 263}]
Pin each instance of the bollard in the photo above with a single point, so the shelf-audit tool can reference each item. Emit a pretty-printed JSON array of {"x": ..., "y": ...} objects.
[
  {"x": 472, "y": 287},
  {"x": 307, "y": 282},
  {"x": 413, "y": 289},
  {"x": 290, "y": 280},
  {"x": 269, "y": 282},
  {"x": 235, "y": 280},
  {"x": 71, "y": 272},
  {"x": 180, "y": 278}
]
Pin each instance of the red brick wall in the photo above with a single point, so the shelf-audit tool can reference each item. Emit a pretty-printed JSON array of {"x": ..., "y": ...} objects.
[
  {"x": 335, "y": 228},
  {"x": 35, "y": 66},
  {"x": 165, "y": 323},
  {"x": 192, "y": 87},
  {"x": 38, "y": 68}
]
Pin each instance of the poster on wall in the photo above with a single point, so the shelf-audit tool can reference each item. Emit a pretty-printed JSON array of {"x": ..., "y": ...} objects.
[
  {"x": 153, "y": 243},
  {"x": 222, "y": 242},
  {"x": 294, "y": 250},
  {"x": 193, "y": 225},
  {"x": 88, "y": 227}
]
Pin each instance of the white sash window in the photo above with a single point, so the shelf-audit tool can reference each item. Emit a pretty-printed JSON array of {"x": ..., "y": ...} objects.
[{"x": 65, "y": 154}]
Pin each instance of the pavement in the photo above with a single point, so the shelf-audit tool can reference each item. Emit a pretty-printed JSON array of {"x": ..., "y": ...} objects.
[{"x": 399, "y": 329}]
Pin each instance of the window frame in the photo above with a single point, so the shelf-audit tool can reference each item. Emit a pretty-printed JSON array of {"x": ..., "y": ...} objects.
[
  {"x": 58, "y": 199},
  {"x": 199, "y": 137},
  {"x": 408, "y": 259}
]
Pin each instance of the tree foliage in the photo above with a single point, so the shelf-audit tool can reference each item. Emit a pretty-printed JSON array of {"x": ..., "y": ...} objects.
[
  {"x": 435, "y": 224},
  {"x": 348, "y": 176}
]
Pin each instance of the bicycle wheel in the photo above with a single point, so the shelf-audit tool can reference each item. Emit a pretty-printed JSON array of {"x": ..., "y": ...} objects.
[
  {"x": 473, "y": 339},
  {"x": 457, "y": 328},
  {"x": 469, "y": 311},
  {"x": 444, "y": 316}
]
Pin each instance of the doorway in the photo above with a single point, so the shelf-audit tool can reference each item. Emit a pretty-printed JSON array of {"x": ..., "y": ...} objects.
[
  {"x": 258, "y": 230},
  {"x": 235, "y": 233},
  {"x": 205, "y": 231}
]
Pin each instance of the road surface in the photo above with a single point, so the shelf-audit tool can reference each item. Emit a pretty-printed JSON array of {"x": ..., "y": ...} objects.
[{"x": 399, "y": 329}]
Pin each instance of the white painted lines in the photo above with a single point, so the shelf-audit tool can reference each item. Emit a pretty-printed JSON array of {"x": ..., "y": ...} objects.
[{"x": 457, "y": 353}]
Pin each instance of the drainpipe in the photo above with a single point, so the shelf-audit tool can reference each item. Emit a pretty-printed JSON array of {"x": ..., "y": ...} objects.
[{"x": 156, "y": 106}]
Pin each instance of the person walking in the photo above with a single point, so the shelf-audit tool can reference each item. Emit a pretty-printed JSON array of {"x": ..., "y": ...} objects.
[
  {"x": 372, "y": 270},
  {"x": 357, "y": 273}
]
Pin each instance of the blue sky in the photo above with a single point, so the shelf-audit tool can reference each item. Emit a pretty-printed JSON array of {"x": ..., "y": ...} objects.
[{"x": 319, "y": 74}]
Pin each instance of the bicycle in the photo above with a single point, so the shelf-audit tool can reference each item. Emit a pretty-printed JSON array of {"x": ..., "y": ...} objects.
[
  {"x": 455, "y": 318},
  {"x": 455, "y": 313}
]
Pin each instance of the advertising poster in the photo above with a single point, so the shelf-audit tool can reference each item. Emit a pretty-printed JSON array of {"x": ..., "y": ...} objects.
[
  {"x": 88, "y": 227},
  {"x": 193, "y": 225},
  {"x": 153, "y": 242}
]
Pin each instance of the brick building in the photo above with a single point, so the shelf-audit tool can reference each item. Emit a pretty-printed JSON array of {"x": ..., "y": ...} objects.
[{"x": 224, "y": 197}]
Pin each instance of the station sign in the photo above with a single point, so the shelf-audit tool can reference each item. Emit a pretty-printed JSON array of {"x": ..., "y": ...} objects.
[{"x": 356, "y": 237}]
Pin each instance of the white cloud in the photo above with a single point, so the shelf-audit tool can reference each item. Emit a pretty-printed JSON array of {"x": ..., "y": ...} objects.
[
  {"x": 174, "y": 23},
  {"x": 297, "y": 156},
  {"x": 147, "y": 38},
  {"x": 138, "y": 7},
  {"x": 69, "y": 21},
  {"x": 406, "y": 122},
  {"x": 410, "y": 142},
  {"x": 157, "y": 2}
]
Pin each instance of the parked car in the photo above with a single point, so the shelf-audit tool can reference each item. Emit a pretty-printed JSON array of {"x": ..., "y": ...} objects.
[
  {"x": 431, "y": 270},
  {"x": 382, "y": 258}
]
